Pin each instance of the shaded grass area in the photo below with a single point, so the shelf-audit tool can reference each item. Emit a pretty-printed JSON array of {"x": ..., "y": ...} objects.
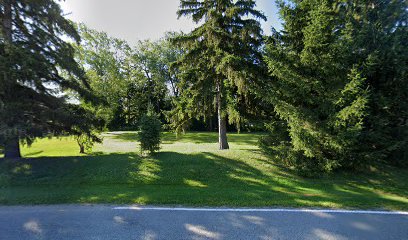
[
  {"x": 193, "y": 137},
  {"x": 188, "y": 171}
]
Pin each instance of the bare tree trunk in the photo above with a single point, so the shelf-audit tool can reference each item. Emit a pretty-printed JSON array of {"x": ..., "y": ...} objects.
[
  {"x": 222, "y": 133},
  {"x": 222, "y": 123},
  {"x": 12, "y": 148}
]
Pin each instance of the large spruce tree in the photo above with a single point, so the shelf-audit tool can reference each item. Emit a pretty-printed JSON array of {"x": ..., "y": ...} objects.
[
  {"x": 37, "y": 67},
  {"x": 221, "y": 61},
  {"x": 340, "y": 82}
]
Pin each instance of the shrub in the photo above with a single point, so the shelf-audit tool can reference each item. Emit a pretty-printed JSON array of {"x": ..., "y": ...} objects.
[{"x": 149, "y": 135}]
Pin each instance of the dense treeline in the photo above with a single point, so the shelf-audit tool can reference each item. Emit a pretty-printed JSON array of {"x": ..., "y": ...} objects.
[
  {"x": 330, "y": 87},
  {"x": 339, "y": 84}
]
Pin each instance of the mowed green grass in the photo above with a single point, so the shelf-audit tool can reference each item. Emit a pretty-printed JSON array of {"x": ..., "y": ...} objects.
[{"x": 188, "y": 171}]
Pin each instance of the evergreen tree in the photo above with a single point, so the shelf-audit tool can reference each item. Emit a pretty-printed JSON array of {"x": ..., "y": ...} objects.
[
  {"x": 150, "y": 131},
  {"x": 378, "y": 33},
  {"x": 221, "y": 61},
  {"x": 339, "y": 71},
  {"x": 37, "y": 66}
]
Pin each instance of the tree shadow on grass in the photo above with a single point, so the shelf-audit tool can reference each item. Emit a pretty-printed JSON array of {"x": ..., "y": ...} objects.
[
  {"x": 169, "y": 137},
  {"x": 191, "y": 137},
  {"x": 211, "y": 137},
  {"x": 205, "y": 179},
  {"x": 33, "y": 153}
]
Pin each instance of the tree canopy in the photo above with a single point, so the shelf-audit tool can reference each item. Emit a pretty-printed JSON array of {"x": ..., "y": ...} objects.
[
  {"x": 221, "y": 59},
  {"x": 339, "y": 82},
  {"x": 38, "y": 68},
  {"x": 128, "y": 78}
]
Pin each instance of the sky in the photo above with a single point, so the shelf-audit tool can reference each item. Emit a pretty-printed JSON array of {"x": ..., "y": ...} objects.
[{"x": 134, "y": 20}]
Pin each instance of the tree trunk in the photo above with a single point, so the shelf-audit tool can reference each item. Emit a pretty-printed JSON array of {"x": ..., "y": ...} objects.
[
  {"x": 6, "y": 28},
  {"x": 210, "y": 124},
  {"x": 222, "y": 133},
  {"x": 222, "y": 122},
  {"x": 81, "y": 149},
  {"x": 12, "y": 144},
  {"x": 12, "y": 148},
  {"x": 7, "y": 21}
]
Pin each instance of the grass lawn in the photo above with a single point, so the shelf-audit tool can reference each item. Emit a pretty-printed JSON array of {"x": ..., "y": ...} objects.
[{"x": 188, "y": 171}]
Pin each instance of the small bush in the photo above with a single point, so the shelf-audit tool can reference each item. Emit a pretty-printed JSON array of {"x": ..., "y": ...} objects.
[{"x": 149, "y": 135}]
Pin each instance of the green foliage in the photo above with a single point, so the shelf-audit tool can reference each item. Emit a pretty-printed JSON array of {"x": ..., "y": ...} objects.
[
  {"x": 339, "y": 71},
  {"x": 38, "y": 70},
  {"x": 128, "y": 78},
  {"x": 179, "y": 120},
  {"x": 87, "y": 128},
  {"x": 150, "y": 132},
  {"x": 152, "y": 76},
  {"x": 86, "y": 141},
  {"x": 222, "y": 60},
  {"x": 107, "y": 68}
]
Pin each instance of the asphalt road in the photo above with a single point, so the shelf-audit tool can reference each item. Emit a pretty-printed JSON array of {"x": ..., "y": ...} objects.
[{"x": 113, "y": 222}]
